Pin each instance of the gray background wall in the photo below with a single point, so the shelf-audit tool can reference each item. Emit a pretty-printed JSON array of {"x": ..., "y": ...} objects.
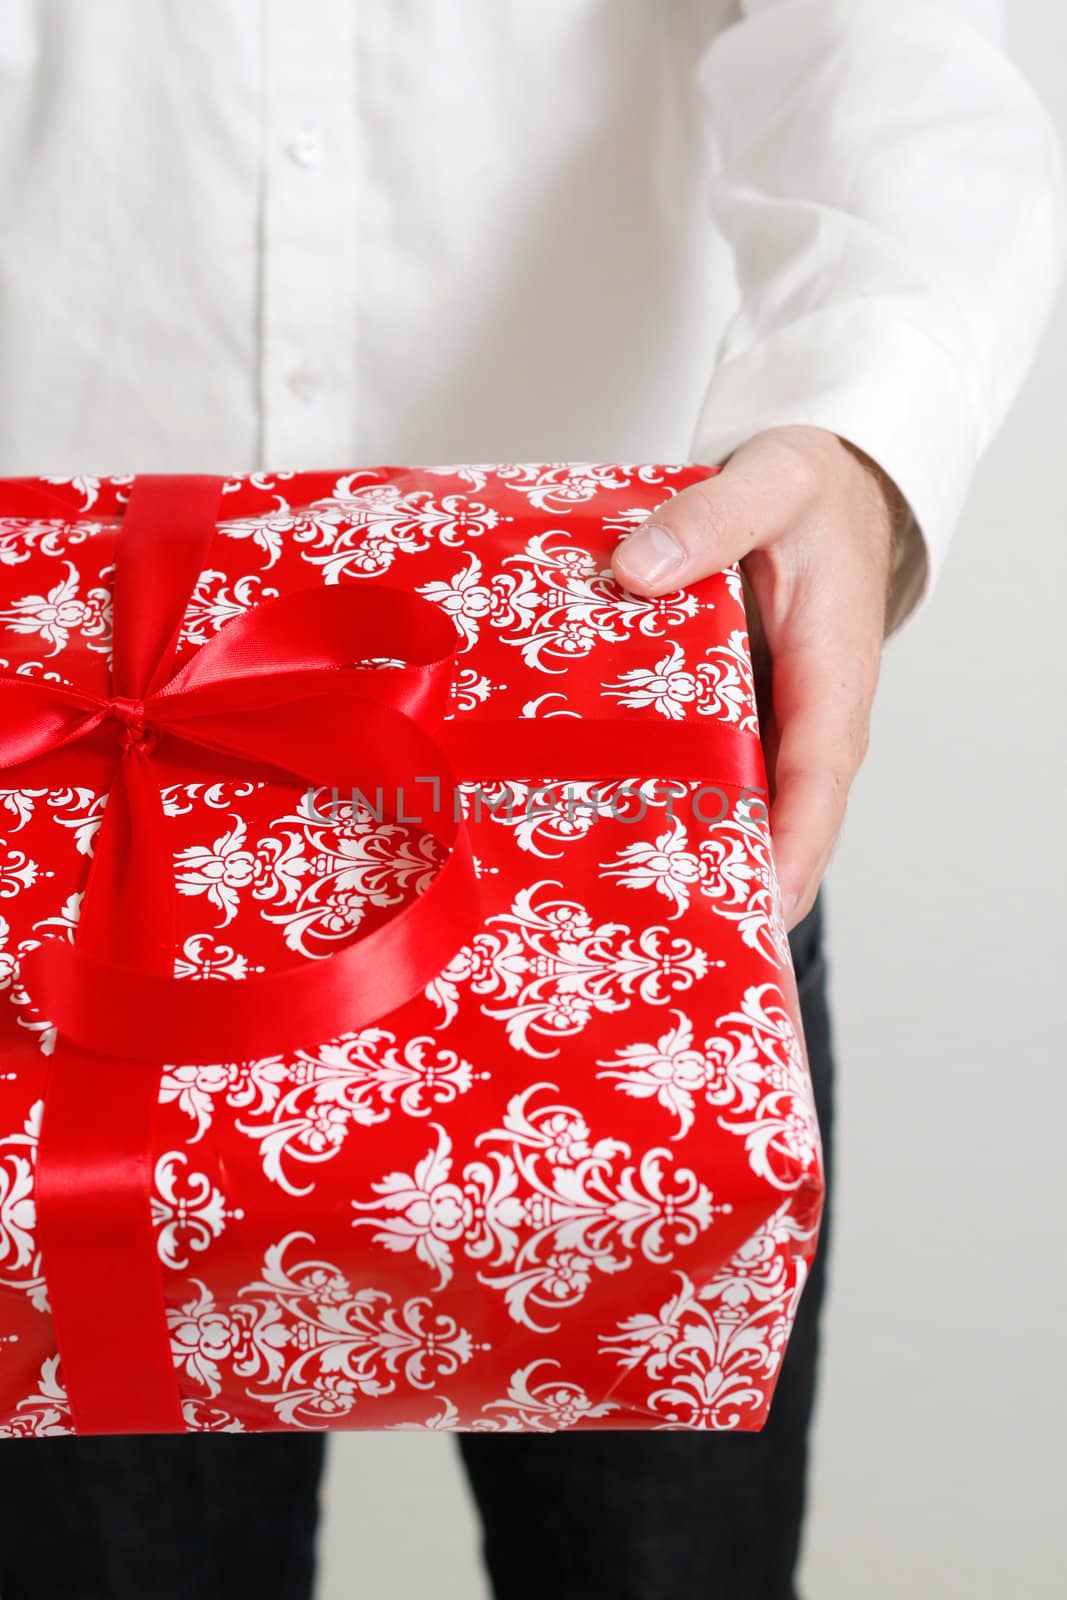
[{"x": 939, "y": 1442}]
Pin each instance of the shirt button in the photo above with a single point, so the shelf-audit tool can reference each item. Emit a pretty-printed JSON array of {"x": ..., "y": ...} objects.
[
  {"x": 306, "y": 148},
  {"x": 305, "y": 384}
]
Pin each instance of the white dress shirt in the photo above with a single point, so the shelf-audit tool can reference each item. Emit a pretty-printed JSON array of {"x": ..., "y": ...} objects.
[{"x": 245, "y": 234}]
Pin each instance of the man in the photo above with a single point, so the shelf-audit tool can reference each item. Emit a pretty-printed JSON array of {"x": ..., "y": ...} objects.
[{"x": 815, "y": 240}]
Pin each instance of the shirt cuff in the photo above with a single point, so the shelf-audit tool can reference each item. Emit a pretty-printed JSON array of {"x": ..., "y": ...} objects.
[{"x": 887, "y": 387}]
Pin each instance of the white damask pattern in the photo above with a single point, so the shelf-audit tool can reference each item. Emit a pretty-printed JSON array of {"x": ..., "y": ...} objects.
[
  {"x": 204, "y": 957},
  {"x": 21, "y": 537},
  {"x": 330, "y": 860},
  {"x": 216, "y": 601},
  {"x": 45, "y": 1414},
  {"x": 222, "y": 870},
  {"x": 62, "y": 612},
  {"x": 188, "y": 1211},
  {"x": 311, "y": 1346},
  {"x": 719, "y": 685},
  {"x": 354, "y": 1083},
  {"x": 446, "y": 1419},
  {"x": 301, "y": 1109},
  {"x": 546, "y": 818},
  {"x": 78, "y": 809},
  {"x": 202, "y": 1417},
  {"x": 7, "y": 958},
  {"x": 546, "y": 1212},
  {"x": 545, "y": 1407},
  {"x": 89, "y": 488},
  {"x": 711, "y": 1355},
  {"x": 360, "y": 530},
  {"x": 556, "y": 968},
  {"x": 17, "y": 871},
  {"x": 559, "y": 486},
  {"x": 20, "y": 1260},
  {"x": 548, "y": 1406},
  {"x": 557, "y": 602},
  {"x": 752, "y": 1073},
  {"x": 731, "y": 868}
]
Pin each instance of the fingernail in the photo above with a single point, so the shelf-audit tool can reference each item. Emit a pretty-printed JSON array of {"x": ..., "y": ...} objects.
[{"x": 651, "y": 553}]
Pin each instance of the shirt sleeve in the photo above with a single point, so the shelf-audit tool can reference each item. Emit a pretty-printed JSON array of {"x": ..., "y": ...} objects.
[{"x": 893, "y": 193}]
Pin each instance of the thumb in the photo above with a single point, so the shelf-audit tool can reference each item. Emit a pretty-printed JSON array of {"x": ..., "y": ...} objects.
[
  {"x": 695, "y": 533},
  {"x": 711, "y": 524}
]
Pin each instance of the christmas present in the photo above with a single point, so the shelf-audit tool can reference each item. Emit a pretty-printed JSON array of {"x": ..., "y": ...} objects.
[{"x": 397, "y": 1025}]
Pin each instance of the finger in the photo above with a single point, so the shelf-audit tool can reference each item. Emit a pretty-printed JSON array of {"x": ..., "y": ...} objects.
[
  {"x": 764, "y": 488},
  {"x": 822, "y": 709}
]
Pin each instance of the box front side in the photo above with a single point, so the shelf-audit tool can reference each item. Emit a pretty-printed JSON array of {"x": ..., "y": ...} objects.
[{"x": 572, "y": 1183}]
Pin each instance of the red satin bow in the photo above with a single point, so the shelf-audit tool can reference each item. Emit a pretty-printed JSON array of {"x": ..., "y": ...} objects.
[{"x": 276, "y": 688}]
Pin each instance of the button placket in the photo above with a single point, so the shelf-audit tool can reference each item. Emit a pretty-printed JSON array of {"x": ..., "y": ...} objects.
[
  {"x": 307, "y": 378},
  {"x": 306, "y": 148}
]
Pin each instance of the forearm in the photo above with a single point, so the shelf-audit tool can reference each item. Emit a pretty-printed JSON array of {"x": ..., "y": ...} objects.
[{"x": 894, "y": 194}]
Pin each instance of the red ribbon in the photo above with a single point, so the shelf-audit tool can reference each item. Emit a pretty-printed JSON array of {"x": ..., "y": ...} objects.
[{"x": 277, "y": 689}]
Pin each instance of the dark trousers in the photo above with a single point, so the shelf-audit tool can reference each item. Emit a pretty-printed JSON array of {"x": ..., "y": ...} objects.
[{"x": 631, "y": 1515}]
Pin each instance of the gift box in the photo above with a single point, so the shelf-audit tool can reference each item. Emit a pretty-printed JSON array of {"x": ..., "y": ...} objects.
[{"x": 397, "y": 1025}]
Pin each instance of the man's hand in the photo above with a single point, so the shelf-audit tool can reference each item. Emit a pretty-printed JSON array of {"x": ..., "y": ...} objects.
[{"x": 812, "y": 521}]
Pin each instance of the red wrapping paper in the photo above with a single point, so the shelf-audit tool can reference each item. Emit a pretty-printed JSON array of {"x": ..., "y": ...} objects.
[{"x": 574, "y": 1180}]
